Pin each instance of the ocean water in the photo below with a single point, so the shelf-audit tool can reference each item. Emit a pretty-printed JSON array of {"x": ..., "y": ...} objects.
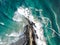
[{"x": 45, "y": 14}]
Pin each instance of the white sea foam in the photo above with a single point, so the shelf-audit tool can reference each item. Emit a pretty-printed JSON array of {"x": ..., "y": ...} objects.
[
  {"x": 28, "y": 14},
  {"x": 38, "y": 28},
  {"x": 2, "y": 23},
  {"x": 13, "y": 34},
  {"x": 17, "y": 17},
  {"x": 39, "y": 31}
]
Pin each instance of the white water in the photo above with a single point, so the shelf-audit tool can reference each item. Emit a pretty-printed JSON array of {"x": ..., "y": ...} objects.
[
  {"x": 39, "y": 31},
  {"x": 19, "y": 17}
]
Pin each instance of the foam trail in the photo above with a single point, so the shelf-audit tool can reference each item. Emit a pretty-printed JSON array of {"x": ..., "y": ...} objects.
[{"x": 56, "y": 20}]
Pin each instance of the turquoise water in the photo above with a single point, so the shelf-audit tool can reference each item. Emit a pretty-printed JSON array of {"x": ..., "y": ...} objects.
[{"x": 8, "y": 7}]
